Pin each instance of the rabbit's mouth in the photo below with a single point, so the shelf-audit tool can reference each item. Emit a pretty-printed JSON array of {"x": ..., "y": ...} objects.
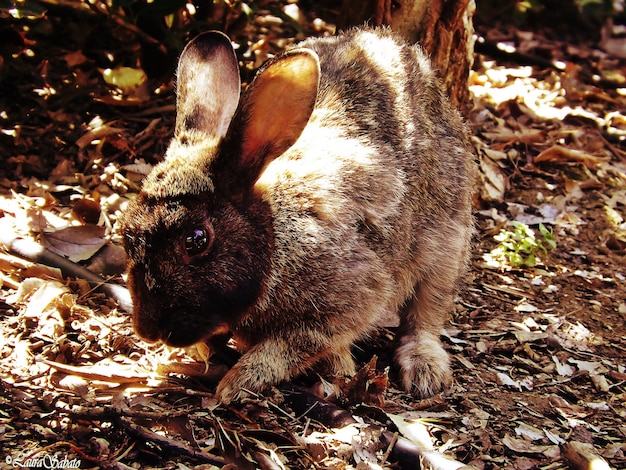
[{"x": 183, "y": 335}]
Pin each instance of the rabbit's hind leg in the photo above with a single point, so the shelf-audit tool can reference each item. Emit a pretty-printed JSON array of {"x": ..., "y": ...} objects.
[
  {"x": 341, "y": 362},
  {"x": 424, "y": 363}
]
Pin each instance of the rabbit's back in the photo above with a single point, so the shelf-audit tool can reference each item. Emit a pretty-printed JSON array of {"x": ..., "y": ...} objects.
[
  {"x": 379, "y": 181},
  {"x": 383, "y": 92}
]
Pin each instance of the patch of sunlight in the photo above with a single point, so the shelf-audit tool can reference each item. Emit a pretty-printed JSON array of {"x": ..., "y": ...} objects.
[
  {"x": 545, "y": 98},
  {"x": 126, "y": 79},
  {"x": 47, "y": 91},
  {"x": 21, "y": 9},
  {"x": 578, "y": 332},
  {"x": 614, "y": 217},
  {"x": 615, "y": 210},
  {"x": 573, "y": 335},
  {"x": 11, "y": 132}
]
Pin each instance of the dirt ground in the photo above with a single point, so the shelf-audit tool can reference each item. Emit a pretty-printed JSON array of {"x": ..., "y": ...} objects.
[{"x": 538, "y": 338}]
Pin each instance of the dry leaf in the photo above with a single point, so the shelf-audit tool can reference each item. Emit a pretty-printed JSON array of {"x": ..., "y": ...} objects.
[
  {"x": 139, "y": 167},
  {"x": 368, "y": 385},
  {"x": 504, "y": 379},
  {"x": 531, "y": 432},
  {"x": 418, "y": 433},
  {"x": 593, "y": 367},
  {"x": 494, "y": 183},
  {"x": 567, "y": 410},
  {"x": 105, "y": 371},
  {"x": 77, "y": 243},
  {"x": 559, "y": 155},
  {"x": 563, "y": 370},
  {"x": 87, "y": 211},
  {"x": 127, "y": 79},
  {"x": 522, "y": 446},
  {"x": 600, "y": 382},
  {"x": 109, "y": 261}
]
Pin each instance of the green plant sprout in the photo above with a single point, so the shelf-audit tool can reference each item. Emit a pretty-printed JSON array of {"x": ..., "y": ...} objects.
[{"x": 520, "y": 247}]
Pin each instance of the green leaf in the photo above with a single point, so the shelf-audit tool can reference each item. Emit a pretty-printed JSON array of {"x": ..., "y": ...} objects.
[{"x": 519, "y": 247}]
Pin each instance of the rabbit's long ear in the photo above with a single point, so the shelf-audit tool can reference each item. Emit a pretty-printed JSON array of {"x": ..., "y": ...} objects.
[
  {"x": 208, "y": 85},
  {"x": 274, "y": 111}
]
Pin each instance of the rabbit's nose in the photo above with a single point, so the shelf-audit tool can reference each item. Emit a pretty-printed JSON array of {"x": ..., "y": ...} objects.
[
  {"x": 146, "y": 329},
  {"x": 149, "y": 334}
]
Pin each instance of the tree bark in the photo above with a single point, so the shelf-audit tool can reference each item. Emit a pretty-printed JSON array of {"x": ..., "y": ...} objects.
[{"x": 443, "y": 28}]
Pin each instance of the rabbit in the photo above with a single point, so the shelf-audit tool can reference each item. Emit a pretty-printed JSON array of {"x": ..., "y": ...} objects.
[{"x": 335, "y": 191}]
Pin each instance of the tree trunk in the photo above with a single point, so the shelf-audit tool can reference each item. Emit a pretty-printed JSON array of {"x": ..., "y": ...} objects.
[{"x": 443, "y": 27}]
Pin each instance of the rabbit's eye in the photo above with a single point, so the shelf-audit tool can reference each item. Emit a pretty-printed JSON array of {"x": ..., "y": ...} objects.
[{"x": 197, "y": 241}]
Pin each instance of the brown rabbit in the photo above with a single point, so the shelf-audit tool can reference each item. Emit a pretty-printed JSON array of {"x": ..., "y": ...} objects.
[{"x": 334, "y": 191}]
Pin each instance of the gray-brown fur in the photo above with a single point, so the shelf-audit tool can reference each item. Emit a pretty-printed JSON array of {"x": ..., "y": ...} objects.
[{"x": 340, "y": 193}]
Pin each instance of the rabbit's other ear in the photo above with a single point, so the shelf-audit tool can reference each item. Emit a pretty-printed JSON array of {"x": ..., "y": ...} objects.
[
  {"x": 208, "y": 86},
  {"x": 274, "y": 110}
]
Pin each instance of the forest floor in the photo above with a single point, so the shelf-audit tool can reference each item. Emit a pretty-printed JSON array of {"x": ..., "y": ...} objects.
[{"x": 538, "y": 339}]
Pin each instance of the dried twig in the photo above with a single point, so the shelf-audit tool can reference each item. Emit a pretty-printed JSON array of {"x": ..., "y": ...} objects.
[{"x": 169, "y": 444}]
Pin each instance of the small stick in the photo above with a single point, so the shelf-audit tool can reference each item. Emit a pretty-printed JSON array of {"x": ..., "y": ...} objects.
[
  {"x": 170, "y": 444},
  {"x": 32, "y": 251}
]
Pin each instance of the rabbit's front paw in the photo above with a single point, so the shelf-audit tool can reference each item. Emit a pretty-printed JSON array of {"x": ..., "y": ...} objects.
[
  {"x": 235, "y": 386},
  {"x": 424, "y": 364},
  {"x": 231, "y": 388},
  {"x": 257, "y": 370},
  {"x": 239, "y": 383}
]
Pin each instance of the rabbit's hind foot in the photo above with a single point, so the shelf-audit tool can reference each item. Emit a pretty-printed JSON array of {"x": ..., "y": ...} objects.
[{"x": 424, "y": 365}]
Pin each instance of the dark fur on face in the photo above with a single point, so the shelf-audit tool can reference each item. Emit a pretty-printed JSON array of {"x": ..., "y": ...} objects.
[{"x": 231, "y": 272}]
